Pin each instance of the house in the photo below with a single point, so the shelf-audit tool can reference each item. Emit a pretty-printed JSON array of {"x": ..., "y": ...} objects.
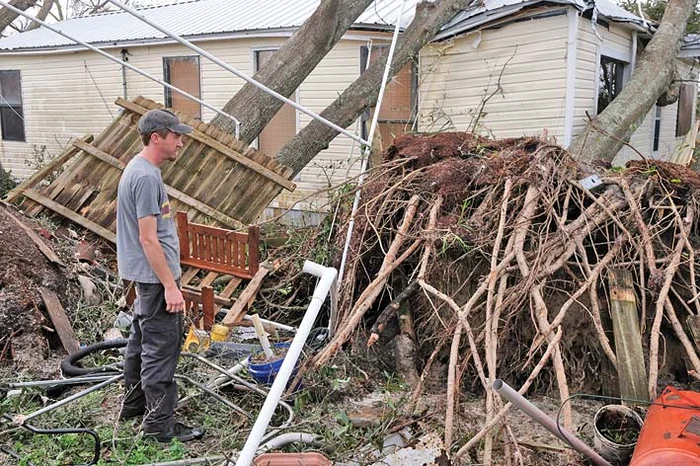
[{"x": 506, "y": 68}]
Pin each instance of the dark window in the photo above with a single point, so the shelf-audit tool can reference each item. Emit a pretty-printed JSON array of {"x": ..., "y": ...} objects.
[
  {"x": 684, "y": 119},
  {"x": 657, "y": 128},
  {"x": 183, "y": 73},
  {"x": 397, "y": 113},
  {"x": 610, "y": 81},
  {"x": 283, "y": 126},
  {"x": 11, "y": 114}
]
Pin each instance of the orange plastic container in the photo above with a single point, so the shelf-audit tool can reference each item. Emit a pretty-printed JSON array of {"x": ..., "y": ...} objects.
[{"x": 670, "y": 435}]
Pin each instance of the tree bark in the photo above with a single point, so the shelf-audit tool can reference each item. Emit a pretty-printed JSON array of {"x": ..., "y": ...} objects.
[
  {"x": 7, "y": 16},
  {"x": 289, "y": 66},
  {"x": 605, "y": 134},
  {"x": 363, "y": 93},
  {"x": 43, "y": 13}
]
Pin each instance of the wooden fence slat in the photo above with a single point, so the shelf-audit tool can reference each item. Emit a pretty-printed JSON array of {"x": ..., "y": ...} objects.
[
  {"x": 213, "y": 143},
  {"x": 46, "y": 170},
  {"x": 69, "y": 214}
]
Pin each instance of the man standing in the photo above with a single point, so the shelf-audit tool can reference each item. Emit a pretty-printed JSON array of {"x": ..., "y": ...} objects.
[{"x": 148, "y": 253}]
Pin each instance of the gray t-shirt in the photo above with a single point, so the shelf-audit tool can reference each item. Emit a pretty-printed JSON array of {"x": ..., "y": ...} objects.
[{"x": 142, "y": 193}]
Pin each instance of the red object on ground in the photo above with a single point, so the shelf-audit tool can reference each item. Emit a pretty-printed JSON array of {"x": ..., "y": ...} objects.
[
  {"x": 310, "y": 458},
  {"x": 671, "y": 431}
]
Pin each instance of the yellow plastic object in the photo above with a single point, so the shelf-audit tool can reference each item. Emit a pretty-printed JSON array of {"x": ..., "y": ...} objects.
[
  {"x": 197, "y": 340},
  {"x": 220, "y": 332}
]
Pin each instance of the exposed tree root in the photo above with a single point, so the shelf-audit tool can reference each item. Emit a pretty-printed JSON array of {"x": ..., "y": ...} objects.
[{"x": 509, "y": 250}]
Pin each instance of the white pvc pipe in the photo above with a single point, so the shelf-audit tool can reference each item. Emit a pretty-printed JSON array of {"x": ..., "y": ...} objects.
[
  {"x": 327, "y": 276},
  {"x": 233, "y": 70},
  {"x": 287, "y": 438},
  {"x": 122, "y": 63},
  {"x": 368, "y": 147}
]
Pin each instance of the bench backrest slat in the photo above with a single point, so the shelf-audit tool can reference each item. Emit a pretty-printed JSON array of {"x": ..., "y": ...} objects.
[{"x": 217, "y": 249}]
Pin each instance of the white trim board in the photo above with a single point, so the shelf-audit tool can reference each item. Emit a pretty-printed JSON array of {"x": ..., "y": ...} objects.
[{"x": 572, "y": 46}]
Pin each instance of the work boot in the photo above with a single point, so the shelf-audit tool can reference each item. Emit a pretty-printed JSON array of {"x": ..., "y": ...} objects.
[{"x": 179, "y": 431}]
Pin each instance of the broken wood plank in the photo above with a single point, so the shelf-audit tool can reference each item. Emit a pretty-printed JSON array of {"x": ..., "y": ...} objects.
[
  {"x": 104, "y": 156},
  {"x": 47, "y": 251},
  {"x": 224, "y": 149},
  {"x": 70, "y": 215},
  {"x": 231, "y": 287},
  {"x": 628, "y": 339},
  {"x": 60, "y": 320},
  {"x": 240, "y": 307},
  {"x": 47, "y": 169},
  {"x": 188, "y": 275},
  {"x": 209, "y": 279}
]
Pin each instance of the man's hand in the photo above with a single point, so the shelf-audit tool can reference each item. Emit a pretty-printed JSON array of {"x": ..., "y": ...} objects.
[{"x": 174, "y": 302}]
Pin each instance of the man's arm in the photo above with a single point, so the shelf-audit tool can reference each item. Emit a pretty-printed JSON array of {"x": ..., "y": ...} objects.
[{"x": 156, "y": 258}]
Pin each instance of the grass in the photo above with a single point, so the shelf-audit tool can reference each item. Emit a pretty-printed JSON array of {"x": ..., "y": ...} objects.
[{"x": 320, "y": 408}]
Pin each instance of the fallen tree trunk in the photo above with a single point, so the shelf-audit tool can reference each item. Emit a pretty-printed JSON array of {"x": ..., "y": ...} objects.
[
  {"x": 606, "y": 133},
  {"x": 289, "y": 66},
  {"x": 363, "y": 93},
  {"x": 7, "y": 16}
]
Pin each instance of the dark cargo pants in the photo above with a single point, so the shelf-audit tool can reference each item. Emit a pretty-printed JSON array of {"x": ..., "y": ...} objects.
[{"x": 151, "y": 358}]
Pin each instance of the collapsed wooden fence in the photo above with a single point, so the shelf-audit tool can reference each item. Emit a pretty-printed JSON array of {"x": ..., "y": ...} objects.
[{"x": 216, "y": 178}]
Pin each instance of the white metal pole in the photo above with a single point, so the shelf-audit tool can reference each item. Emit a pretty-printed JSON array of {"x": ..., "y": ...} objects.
[
  {"x": 233, "y": 70},
  {"x": 120, "y": 62},
  {"x": 368, "y": 147}
]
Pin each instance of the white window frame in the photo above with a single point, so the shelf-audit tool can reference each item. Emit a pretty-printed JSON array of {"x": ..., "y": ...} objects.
[{"x": 615, "y": 54}]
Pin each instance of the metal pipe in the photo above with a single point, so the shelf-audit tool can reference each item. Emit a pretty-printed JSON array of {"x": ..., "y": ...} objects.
[
  {"x": 229, "y": 377},
  {"x": 215, "y": 395},
  {"x": 209, "y": 460},
  {"x": 233, "y": 70},
  {"x": 120, "y": 62},
  {"x": 57, "y": 382},
  {"x": 327, "y": 275},
  {"x": 503, "y": 389},
  {"x": 71, "y": 398},
  {"x": 368, "y": 146}
]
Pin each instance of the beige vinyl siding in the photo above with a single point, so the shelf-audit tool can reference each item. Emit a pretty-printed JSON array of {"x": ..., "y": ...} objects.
[
  {"x": 67, "y": 95},
  {"x": 63, "y": 97},
  {"x": 456, "y": 76}
]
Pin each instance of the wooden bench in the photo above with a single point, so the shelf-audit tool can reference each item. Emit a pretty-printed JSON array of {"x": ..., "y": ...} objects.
[{"x": 215, "y": 252}]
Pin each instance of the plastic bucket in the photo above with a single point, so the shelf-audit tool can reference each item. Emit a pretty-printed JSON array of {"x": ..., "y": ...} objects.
[
  {"x": 266, "y": 372},
  {"x": 614, "y": 428}
]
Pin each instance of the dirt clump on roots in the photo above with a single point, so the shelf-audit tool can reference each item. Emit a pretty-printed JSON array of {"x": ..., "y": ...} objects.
[{"x": 23, "y": 321}]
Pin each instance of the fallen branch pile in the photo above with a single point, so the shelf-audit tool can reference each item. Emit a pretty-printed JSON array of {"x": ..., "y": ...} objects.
[{"x": 507, "y": 248}]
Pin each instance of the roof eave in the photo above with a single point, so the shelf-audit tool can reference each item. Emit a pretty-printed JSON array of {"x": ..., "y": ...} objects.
[{"x": 486, "y": 17}]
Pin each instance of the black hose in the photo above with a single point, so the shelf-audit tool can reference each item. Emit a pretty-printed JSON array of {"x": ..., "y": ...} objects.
[{"x": 70, "y": 367}]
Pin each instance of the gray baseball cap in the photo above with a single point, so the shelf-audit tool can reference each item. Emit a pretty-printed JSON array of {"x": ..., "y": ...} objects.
[{"x": 157, "y": 119}]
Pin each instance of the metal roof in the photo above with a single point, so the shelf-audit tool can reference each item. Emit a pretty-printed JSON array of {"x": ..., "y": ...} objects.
[
  {"x": 198, "y": 18},
  {"x": 215, "y": 18},
  {"x": 494, "y": 9}
]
